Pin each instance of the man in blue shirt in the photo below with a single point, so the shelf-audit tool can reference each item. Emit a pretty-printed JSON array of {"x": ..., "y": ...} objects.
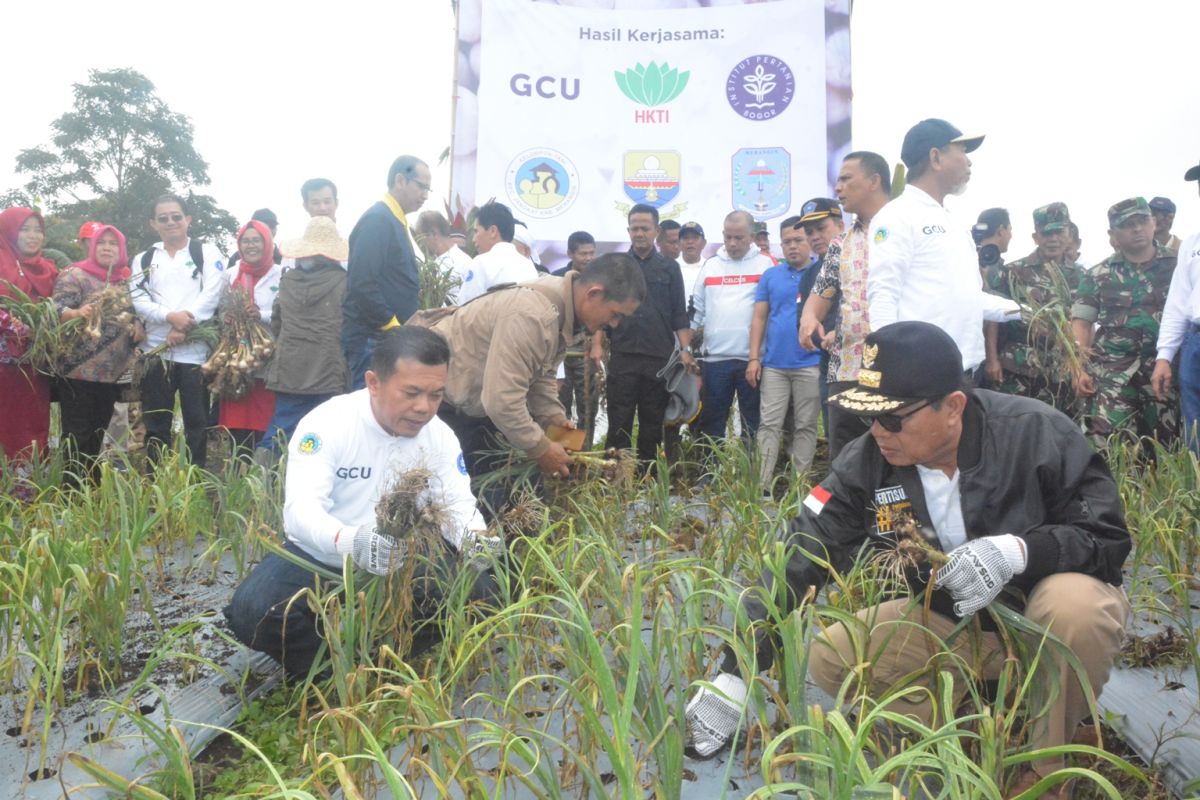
[{"x": 785, "y": 373}]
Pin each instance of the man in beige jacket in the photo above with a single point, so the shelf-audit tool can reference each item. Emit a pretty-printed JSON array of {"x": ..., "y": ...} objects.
[{"x": 506, "y": 347}]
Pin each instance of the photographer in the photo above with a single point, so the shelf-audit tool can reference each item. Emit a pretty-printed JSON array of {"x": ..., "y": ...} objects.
[{"x": 992, "y": 233}]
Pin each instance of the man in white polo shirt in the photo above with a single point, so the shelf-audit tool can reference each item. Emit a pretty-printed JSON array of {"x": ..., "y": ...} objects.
[
  {"x": 498, "y": 260},
  {"x": 344, "y": 455},
  {"x": 923, "y": 264},
  {"x": 1179, "y": 333}
]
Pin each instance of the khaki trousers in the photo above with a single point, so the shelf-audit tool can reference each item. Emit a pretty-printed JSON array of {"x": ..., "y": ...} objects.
[
  {"x": 1085, "y": 613},
  {"x": 778, "y": 389}
]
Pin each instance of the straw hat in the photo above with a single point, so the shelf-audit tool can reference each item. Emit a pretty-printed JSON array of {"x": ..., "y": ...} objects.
[{"x": 321, "y": 238}]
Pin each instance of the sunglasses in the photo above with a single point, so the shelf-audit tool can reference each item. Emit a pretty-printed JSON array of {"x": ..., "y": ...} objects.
[
  {"x": 163, "y": 219},
  {"x": 892, "y": 423}
]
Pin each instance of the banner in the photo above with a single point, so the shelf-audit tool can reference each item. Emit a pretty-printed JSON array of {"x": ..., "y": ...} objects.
[{"x": 570, "y": 115}]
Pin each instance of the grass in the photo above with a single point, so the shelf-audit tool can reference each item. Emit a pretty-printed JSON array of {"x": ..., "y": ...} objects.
[{"x": 571, "y": 684}]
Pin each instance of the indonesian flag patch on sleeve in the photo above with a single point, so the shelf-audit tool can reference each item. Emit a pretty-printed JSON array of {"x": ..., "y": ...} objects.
[{"x": 817, "y": 499}]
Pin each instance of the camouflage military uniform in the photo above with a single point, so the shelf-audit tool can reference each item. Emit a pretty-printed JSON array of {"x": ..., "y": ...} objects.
[
  {"x": 1126, "y": 301},
  {"x": 1034, "y": 366}
]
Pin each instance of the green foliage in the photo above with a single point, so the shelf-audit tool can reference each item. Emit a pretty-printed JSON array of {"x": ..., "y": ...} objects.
[{"x": 118, "y": 148}]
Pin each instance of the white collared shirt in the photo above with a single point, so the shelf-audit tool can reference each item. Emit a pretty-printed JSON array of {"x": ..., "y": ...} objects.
[
  {"x": 1183, "y": 299},
  {"x": 172, "y": 283},
  {"x": 501, "y": 264},
  {"x": 340, "y": 461},
  {"x": 459, "y": 264},
  {"x": 924, "y": 267},
  {"x": 943, "y": 500}
]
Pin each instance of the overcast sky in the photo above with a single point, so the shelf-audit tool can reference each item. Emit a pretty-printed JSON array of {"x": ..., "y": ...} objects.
[{"x": 1082, "y": 101}]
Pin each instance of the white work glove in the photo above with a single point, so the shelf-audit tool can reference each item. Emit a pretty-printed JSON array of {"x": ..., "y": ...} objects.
[
  {"x": 979, "y": 569},
  {"x": 479, "y": 549},
  {"x": 377, "y": 554},
  {"x": 712, "y": 716}
]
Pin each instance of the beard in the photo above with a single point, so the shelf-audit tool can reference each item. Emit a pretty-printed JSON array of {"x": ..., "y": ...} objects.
[{"x": 959, "y": 189}]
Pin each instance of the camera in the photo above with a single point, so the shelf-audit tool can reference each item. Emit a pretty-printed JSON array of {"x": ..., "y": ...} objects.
[{"x": 989, "y": 254}]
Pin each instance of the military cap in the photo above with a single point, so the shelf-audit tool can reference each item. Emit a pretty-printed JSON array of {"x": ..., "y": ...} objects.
[
  {"x": 1127, "y": 209},
  {"x": 1051, "y": 217},
  {"x": 1162, "y": 205},
  {"x": 818, "y": 209}
]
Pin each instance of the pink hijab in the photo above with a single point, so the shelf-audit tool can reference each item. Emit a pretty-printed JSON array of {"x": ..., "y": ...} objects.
[{"x": 119, "y": 271}]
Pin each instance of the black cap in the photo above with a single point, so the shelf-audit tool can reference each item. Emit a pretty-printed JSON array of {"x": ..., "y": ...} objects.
[
  {"x": 1192, "y": 174},
  {"x": 930, "y": 133},
  {"x": 903, "y": 363},
  {"x": 267, "y": 217},
  {"x": 818, "y": 209},
  {"x": 691, "y": 229},
  {"x": 990, "y": 221}
]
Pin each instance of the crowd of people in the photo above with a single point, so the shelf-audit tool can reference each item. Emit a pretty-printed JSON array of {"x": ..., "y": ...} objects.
[{"x": 952, "y": 387}]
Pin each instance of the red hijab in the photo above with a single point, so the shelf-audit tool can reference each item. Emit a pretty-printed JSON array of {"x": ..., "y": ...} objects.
[
  {"x": 249, "y": 272},
  {"x": 119, "y": 271},
  {"x": 34, "y": 275}
]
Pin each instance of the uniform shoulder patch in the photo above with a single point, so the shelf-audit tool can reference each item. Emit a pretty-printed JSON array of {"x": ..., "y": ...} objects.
[
  {"x": 309, "y": 443},
  {"x": 881, "y": 235},
  {"x": 817, "y": 498},
  {"x": 462, "y": 464}
]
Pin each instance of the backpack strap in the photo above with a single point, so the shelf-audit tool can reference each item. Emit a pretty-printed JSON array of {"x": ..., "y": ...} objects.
[
  {"x": 196, "y": 251},
  {"x": 147, "y": 257}
]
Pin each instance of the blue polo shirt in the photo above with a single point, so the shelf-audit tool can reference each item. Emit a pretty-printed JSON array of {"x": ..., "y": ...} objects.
[{"x": 779, "y": 288}]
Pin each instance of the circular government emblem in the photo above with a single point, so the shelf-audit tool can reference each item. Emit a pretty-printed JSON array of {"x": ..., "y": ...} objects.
[
  {"x": 310, "y": 443},
  {"x": 881, "y": 235},
  {"x": 542, "y": 183},
  {"x": 760, "y": 87}
]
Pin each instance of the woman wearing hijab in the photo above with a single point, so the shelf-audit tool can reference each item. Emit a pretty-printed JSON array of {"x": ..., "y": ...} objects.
[
  {"x": 257, "y": 275},
  {"x": 90, "y": 385},
  {"x": 24, "y": 394}
]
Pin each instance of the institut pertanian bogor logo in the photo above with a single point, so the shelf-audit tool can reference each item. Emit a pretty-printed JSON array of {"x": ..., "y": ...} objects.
[
  {"x": 541, "y": 182},
  {"x": 760, "y": 87}
]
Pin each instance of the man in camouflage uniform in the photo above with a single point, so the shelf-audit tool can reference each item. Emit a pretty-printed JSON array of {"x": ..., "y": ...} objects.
[
  {"x": 1123, "y": 297},
  {"x": 1044, "y": 283}
]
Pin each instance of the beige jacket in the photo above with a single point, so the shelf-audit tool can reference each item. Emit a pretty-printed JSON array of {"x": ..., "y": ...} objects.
[{"x": 506, "y": 347}]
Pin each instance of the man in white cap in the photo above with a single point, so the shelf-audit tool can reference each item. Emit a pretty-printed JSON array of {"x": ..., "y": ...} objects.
[{"x": 923, "y": 263}]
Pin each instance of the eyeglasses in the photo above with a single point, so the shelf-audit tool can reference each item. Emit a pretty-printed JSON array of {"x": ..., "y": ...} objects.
[
  {"x": 424, "y": 187},
  {"x": 163, "y": 219},
  {"x": 892, "y": 423}
]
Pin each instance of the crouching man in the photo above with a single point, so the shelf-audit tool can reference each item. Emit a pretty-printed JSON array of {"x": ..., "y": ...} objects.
[
  {"x": 1027, "y": 512},
  {"x": 344, "y": 455}
]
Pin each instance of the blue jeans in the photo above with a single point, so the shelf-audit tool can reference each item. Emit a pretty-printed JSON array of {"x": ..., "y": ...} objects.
[
  {"x": 358, "y": 360},
  {"x": 289, "y": 410},
  {"x": 721, "y": 380},
  {"x": 1189, "y": 387}
]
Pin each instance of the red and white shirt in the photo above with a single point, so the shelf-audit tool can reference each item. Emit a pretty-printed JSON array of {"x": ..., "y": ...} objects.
[{"x": 724, "y": 303}]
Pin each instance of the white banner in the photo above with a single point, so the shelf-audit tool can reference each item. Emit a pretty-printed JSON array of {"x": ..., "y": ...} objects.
[{"x": 579, "y": 113}]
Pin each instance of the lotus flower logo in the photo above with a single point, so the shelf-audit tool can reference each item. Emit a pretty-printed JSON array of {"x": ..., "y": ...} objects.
[{"x": 652, "y": 85}]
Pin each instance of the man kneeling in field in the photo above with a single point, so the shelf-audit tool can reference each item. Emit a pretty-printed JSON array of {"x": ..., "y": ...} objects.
[
  {"x": 345, "y": 454},
  {"x": 1007, "y": 487}
]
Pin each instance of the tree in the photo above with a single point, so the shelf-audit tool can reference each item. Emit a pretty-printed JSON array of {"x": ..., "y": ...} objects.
[{"x": 117, "y": 149}]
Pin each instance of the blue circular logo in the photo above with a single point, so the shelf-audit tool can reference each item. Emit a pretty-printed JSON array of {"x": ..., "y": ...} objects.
[
  {"x": 760, "y": 87},
  {"x": 462, "y": 464},
  {"x": 542, "y": 182},
  {"x": 309, "y": 444}
]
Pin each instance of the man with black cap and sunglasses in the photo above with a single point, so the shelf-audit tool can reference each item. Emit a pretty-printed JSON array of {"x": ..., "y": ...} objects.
[
  {"x": 1026, "y": 512},
  {"x": 923, "y": 263}
]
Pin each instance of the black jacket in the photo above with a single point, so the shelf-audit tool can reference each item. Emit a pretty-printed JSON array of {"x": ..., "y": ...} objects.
[
  {"x": 382, "y": 279},
  {"x": 1024, "y": 469},
  {"x": 650, "y": 331}
]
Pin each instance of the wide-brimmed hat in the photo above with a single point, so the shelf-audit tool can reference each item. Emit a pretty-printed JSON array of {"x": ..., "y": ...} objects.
[
  {"x": 684, "y": 403},
  {"x": 903, "y": 363},
  {"x": 321, "y": 238}
]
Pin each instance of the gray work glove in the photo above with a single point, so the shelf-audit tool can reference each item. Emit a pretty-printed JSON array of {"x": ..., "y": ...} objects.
[
  {"x": 479, "y": 549},
  {"x": 373, "y": 552},
  {"x": 978, "y": 570}
]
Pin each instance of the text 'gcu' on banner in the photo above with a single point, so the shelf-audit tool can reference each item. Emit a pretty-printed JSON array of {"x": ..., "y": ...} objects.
[{"x": 571, "y": 115}]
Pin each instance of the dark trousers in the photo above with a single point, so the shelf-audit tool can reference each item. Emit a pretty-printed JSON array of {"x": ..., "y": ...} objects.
[
  {"x": 266, "y": 615},
  {"x": 484, "y": 452},
  {"x": 358, "y": 350},
  {"x": 722, "y": 379},
  {"x": 634, "y": 388},
  {"x": 289, "y": 410},
  {"x": 844, "y": 427},
  {"x": 162, "y": 381},
  {"x": 580, "y": 395},
  {"x": 86, "y": 408}
]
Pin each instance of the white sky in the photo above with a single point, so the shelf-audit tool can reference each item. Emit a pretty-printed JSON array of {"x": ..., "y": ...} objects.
[{"x": 1083, "y": 101}]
